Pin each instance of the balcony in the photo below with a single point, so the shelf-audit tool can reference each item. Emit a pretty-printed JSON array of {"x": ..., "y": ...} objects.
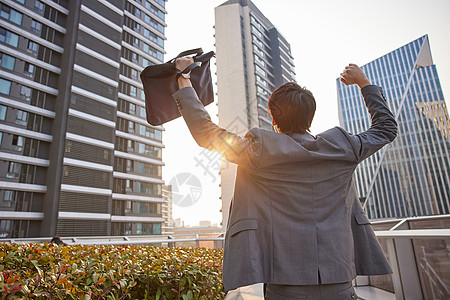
[{"x": 418, "y": 250}]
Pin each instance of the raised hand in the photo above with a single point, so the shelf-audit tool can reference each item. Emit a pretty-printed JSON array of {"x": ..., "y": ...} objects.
[{"x": 353, "y": 74}]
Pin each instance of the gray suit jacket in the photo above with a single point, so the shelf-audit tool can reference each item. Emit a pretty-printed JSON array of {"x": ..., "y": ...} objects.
[{"x": 291, "y": 217}]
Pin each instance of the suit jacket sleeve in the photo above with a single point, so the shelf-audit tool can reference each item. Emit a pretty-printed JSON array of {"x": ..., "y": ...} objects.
[
  {"x": 383, "y": 129},
  {"x": 244, "y": 151}
]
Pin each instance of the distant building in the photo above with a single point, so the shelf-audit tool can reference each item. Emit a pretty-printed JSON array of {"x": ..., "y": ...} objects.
[
  {"x": 253, "y": 59},
  {"x": 77, "y": 157},
  {"x": 409, "y": 177},
  {"x": 204, "y": 223},
  {"x": 168, "y": 225},
  {"x": 178, "y": 223}
]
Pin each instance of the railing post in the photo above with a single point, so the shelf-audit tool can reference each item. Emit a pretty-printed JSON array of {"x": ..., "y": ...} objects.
[
  {"x": 170, "y": 245},
  {"x": 396, "y": 280},
  {"x": 407, "y": 266}
]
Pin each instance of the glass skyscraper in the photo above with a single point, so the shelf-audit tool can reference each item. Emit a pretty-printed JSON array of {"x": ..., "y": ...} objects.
[
  {"x": 77, "y": 157},
  {"x": 409, "y": 177}
]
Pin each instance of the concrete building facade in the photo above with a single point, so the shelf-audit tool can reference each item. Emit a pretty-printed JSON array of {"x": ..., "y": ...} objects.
[
  {"x": 77, "y": 157},
  {"x": 253, "y": 59}
]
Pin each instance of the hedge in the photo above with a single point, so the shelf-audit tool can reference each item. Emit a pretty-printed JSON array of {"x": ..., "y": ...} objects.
[{"x": 46, "y": 271}]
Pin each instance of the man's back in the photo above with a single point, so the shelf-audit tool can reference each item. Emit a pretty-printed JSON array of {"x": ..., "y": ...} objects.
[
  {"x": 290, "y": 218},
  {"x": 297, "y": 197}
]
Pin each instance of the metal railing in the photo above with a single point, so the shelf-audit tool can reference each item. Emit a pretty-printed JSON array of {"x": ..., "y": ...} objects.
[
  {"x": 418, "y": 249},
  {"x": 160, "y": 240}
]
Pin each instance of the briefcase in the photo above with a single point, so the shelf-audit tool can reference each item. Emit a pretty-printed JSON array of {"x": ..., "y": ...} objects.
[{"x": 160, "y": 82}]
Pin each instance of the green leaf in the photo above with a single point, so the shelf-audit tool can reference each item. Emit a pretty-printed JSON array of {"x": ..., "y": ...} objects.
[{"x": 158, "y": 294}]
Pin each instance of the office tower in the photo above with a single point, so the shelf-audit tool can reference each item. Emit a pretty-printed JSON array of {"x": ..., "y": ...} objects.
[
  {"x": 77, "y": 155},
  {"x": 168, "y": 225},
  {"x": 409, "y": 177},
  {"x": 253, "y": 59}
]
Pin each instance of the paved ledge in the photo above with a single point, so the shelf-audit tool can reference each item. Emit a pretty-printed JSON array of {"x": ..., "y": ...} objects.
[
  {"x": 251, "y": 292},
  {"x": 372, "y": 293},
  {"x": 255, "y": 292}
]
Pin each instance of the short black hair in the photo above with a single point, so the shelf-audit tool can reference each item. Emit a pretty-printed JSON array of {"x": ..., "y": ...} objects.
[{"x": 292, "y": 108}]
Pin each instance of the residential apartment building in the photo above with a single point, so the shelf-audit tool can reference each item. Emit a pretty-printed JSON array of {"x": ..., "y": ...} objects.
[
  {"x": 168, "y": 225},
  {"x": 77, "y": 157},
  {"x": 253, "y": 59},
  {"x": 409, "y": 177}
]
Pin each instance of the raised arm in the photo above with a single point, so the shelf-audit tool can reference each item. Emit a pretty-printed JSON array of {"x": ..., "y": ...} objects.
[
  {"x": 244, "y": 151},
  {"x": 383, "y": 129}
]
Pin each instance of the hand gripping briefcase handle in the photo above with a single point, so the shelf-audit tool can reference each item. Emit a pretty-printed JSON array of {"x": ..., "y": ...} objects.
[{"x": 160, "y": 83}]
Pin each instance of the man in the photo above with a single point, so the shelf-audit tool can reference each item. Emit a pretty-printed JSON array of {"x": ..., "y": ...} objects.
[{"x": 291, "y": 224}]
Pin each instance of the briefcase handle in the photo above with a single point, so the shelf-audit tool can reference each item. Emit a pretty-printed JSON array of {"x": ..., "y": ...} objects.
[
  {"x": 188, "y": 68},
  {"x": 197, "y": 52}
]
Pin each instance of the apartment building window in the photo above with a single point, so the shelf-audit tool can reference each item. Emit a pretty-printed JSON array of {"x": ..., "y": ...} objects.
[
  {"x": 257, "y": 50},
  {"x": 150, "y": 21},
  {"x": 5, "y": 86},
  {"x": 261, "y": 81},
  {"x": 142, "y": 112},
  {"x": 257, "y": 41},
  {"x": 129, "y": 165},
  {"x": 26, "y": 92},
  {"x": 137, "y": 12},
  {"x": 153, "y": 37},
  {"x": 11, "y": 14},
  {"x": 65, "y": 171},
  {"x": 146, "y": 62},
  {"x": 7, "y": 61},
  {"x": 134, "y": 57},
  {"x": 8, "y": 198},
  {"x": 21, "y": 1},
  {"x": 128, "y": 186},
  {"x": 153, "y": 52},
  {"x": 260, "y": 60},
  {"x": 155, "y": 10},
  {"x": 134, "y": 74},
  {"x": 132, "y": 109},
  {"x": 29, "y": 70},
  {"x": 148, "y": 169},
  {"x": 8, "y": 37},
  {"x": 39, "y": 6},
  {"x": 148, "y": 188},
  {"x": 130, "y": 146},
  {"x": 262, "y": 102},
  {"x": 142, "y": 130},
  {"x": 33, "y": 48},
  {"x": 161, "y": 2},
  {"x": 262, "y": 91},
  {"x": 17, "y": 142},
  {"x": 1, "y": 137},
  {"x": 36, "y": 26},
  {"x": 13, "y": 170},
  {"x": 130, "y": 127},
  {"x": 22, "y": 117},
  {"x": 135, "y": 42},
  {"x": 260, "y": 70},
  {"x": 136, "y": 26},
  {"x": 3, "y": 112},
  {"x": 133, "y": 91},
  {"x": 256, "y": 32},
  {"x": 105, "y": 154}
]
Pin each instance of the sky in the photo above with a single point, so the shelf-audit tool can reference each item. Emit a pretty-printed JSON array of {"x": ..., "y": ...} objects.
[{"x": 324, "y": 36}]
